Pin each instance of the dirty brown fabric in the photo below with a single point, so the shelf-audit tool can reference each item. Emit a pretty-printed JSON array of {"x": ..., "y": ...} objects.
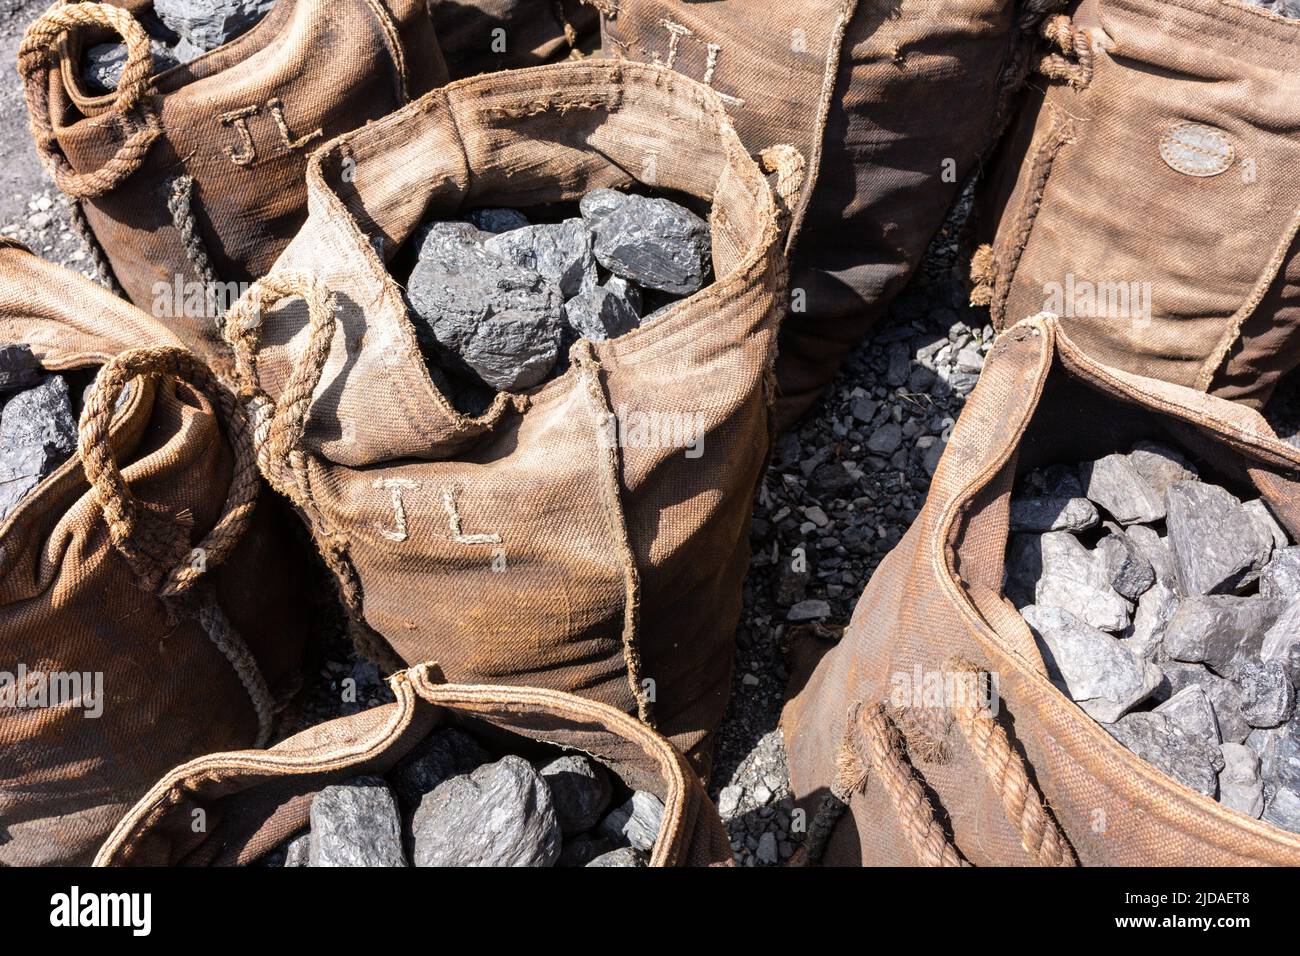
[
  {"x": 892, "y": 104},
  {"x": 153, "y": 576},
  {"x": 484, "y": 36},
  {"x": 194, "y": 177},
  {"x": 928, "y": 780},
  {"x": 251, "y": 801},
  {"x": 1149, "y": 196},
  {"x": 531, "y": 544}
]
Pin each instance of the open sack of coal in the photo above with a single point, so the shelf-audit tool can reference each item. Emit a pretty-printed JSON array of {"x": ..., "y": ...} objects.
[
  {"x": 1106, "y": 201},
  {"x": 135, "y": 628},
  {"x": 1144, "y": 718},
  {"x": 893, "y": 111},
  {"x": 515, "y": 468},
  {"x": 180, "y": 130},
  {"x": 448, "y": 775},
  {"x": 1162, "y": 604}
]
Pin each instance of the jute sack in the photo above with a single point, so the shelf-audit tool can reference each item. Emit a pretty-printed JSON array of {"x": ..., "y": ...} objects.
[
  {"x": 141, "y": 563},
  {"x": 564, "y": 538},
  {"x": 193, "y": 178},
  {"x": 251, "y": 801},
  {"x": 931, "y": 775},
  {"x": 1149, "y": 193},
  {"x": 892, "y": 104},
  {"x": 484, "y": 36}
]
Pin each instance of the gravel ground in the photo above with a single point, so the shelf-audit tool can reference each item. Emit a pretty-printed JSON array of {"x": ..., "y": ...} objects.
[{"x": 842, "y": 490}]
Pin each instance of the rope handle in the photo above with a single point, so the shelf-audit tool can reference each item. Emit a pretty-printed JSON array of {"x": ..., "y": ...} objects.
[
  {"x": 872, "y": 744},
  {"x": 281, "y": 424},
  {"x": 120, "y": 507},
  {"x": 1070, "y": 53},
  {"x": 37, "y": 55}
]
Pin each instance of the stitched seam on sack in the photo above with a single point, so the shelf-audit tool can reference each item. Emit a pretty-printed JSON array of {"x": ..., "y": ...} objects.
[
  {"x": 393, "y": 42},
  {"x": 830, "y": 77},
  {"x": 1233, "y": 333}
]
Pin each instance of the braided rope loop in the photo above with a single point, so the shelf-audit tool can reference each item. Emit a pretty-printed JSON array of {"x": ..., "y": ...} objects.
[{"x": 119, "y": 505}]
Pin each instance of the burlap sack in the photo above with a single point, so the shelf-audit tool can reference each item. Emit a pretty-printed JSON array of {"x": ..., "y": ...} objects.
[
  {"x": 145, "y": 560},
  {"x": 250, "y": 801},
  {"x": 533, "y": 544},
  {"x": 193, "y": 178},
  {"x": 484, "y": 36},
  {"x": 935, "y": 779},
  {"x": 892, "y": 104},
  {"x": 1149, "y": 196}
]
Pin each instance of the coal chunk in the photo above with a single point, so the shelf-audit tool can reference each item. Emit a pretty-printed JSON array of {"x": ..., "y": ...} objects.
[
  {"x": 1216, "y": 543},
  {"x": 604, "y": 312},
  {"x": 582, "y": 849},
  {"x": 1130, "y": 573},
  {"x": 355, "y": 824},
  {"x": 623, "y": 856},
  {"x": 580, "y": 789},
  {"x": 635, "y": 823},
  {"x": 503, "y": 322},
  {"x": 102, "y": 64},
  {"x": 209, "y": 23},
  {"x": 1267, "y": 524},
  {"x": 1240, "y": 786},
  {"x": 1097, "y": 671},
  {"x": 19, "y": 368},
  {"x": 499, "y": 815},
  {"x": 1281, "y": 578},
  {"x": 1115, "y": 484},
  {"x": 1074, "y": 579},
  {"x": 1192, "y": 710},
  {"x": 1220, "y": 630},
  {"x": 1155, "y": 608},
  {"x": 444, "y": 754},
  {"x": 1267, "y": 697},
  {"x": 650, "y": 241},
  {"x": 559, "y": 252},
  {"x": 1160, "y": 466},
  {"x": 37, "y": 435},
  {"x": 1163, "y": 742},
  {"x": 1053, "y": 514},
  {"x": 497, "y": 219}
]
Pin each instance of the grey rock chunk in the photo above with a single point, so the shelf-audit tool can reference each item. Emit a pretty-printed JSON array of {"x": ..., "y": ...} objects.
[
  {"x": 814, "y": 609},
  {"x": 580, "y": 790},
  {"x": 1219, "y": 630},
  {"x": 623, "y": 856},
  {"x": 499, "y": 815},
  {"x": 650, "y": 241},
  {"x": 1267, "y": 524},
  {"x": 559, "y": 252},
  {"x": 1155, "y": 549},
  {"x": 297, "y": 852},
  {"x": 1053, "y": 514},
  {"x": 496, "y": 219},
  {"x": 355, "y": 824},
  {"x": 37, "y": 435},
  {"x": 636, "y": 822},
  {"x": 1283, "y": 810},
  {"x": 1164, "y": 744},
  {"x": 1216, "y": 543},
  {"x": 582, "y": 849},
  {"x": 209, "y": 23},
  {"x": 102, "y": 64},
  {"x": 1074, "y": 580},
  {"x": 1155, "y": 608},
  {"x": 1097, "y": 671},
  {"x": 1192, "y": 710},
  {"x": 886, "y": 439},
  {"x": 602, "y": 313},
  {"x": 1130, "y": 573},
  {"x": 1114, "y": 483},
  {"x": 1267, "y": 697},
  {"x": 1055, "y": 481},
  {"x": 504, "y": 322},
  {"x": 1282, "y": 641},
  {"x": 1240, "y": 787},
  {"x": 1160, "y": 466},
  {"x": 19, "y": 368},
  {"x": 1281, "y": 579},
  {"x": 1224, "y": 695},
  {"x": 445, "y": 753},
  {"x": 1279, "y": 755}
]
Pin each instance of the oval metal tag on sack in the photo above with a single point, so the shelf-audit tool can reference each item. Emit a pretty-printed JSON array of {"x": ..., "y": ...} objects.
[{"x": 1197, "y": 150}]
